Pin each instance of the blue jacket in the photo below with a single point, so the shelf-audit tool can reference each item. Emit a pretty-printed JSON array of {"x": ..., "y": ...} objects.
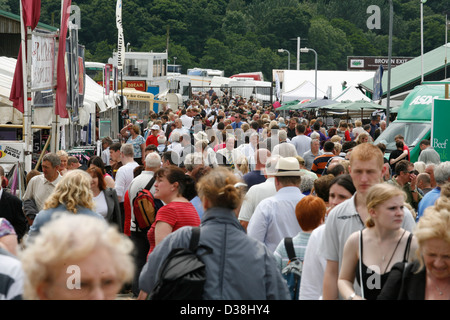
[
  {"x": 240, "y": 268},
  {"x": 46, "y": 215}
]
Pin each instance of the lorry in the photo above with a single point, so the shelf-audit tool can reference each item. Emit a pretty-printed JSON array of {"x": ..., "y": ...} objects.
[{"x": 414, "y": 119}]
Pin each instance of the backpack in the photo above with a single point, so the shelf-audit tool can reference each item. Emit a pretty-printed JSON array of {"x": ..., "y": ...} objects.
[
  {"x": 145, "y": 206},
  {"x": 182, "y": 274},
  {"x": 293, "y": 271}
]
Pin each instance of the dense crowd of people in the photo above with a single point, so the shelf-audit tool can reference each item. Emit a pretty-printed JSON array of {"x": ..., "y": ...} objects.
[{"x": 250, "y": 177}]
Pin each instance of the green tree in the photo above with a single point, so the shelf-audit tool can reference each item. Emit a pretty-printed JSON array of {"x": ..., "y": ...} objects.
[{"x": 331, "y": 45}]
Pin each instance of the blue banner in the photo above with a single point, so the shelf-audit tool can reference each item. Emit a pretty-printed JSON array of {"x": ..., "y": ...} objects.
[{"x": 377, "y": 86}]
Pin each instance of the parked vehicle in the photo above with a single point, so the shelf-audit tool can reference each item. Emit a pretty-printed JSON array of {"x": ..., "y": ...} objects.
[{"x": 413, "y": 120}]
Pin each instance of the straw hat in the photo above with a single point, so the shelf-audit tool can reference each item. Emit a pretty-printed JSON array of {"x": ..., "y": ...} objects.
[{"x": 287, "y": 167}]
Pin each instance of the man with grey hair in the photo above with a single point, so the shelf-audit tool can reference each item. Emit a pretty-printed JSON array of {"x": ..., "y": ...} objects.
[
  {"x": 41, "y": 186},
  {"x": 427, "y": 153},
  {"x": 312, "y": 153},
  {"x": 442, "y": 176},
  {"x": 138, "y": 236},
  {"x": 124, "y": 174},
  {"x": 258, "y": 192},
  {"x": 283, "y": 148}
]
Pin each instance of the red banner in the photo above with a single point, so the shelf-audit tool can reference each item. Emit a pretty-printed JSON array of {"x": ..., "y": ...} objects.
[
  {"x": 31, "y": 12},
  {"x": 61, "y": 85}
]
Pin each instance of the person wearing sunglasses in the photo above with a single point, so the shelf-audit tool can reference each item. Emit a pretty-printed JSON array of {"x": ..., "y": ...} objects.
[{"x": 406, "y": 180}]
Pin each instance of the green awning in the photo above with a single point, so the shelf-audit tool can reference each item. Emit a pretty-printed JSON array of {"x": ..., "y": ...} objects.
[{"x": 411, "y": 71}]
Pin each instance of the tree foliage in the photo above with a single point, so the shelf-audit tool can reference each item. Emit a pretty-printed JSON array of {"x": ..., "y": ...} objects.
[{"x": 244, "y": 35}]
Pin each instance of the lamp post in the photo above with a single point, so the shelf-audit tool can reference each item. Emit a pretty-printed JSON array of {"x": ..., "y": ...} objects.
[
  {"x": 289, "y": 57},
  {"x": 421, "y": 34},
  {"x": 388, "y": 97},
  {"x": 306, "y": 50}
]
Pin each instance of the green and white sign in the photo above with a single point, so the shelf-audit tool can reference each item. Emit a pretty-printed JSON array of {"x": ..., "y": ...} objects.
[{"x": 440, "y": 138}]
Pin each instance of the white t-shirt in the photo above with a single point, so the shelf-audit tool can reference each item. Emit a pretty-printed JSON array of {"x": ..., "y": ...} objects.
[
  {"x": 101, "y": 206},
  {"x": 124, "y": 176}
]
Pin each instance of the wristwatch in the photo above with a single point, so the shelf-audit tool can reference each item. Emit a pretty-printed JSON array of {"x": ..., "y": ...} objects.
[
  {"x": 350, "y": 297},
  {"x": 413, "y": 190}
]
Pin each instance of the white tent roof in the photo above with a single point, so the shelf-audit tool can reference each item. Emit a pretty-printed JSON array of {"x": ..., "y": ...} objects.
[
  {"x": 352, "y": 93},
  {"x": 326, "y": 79},
  {"x": 306, "y": 90},
  {"x": 93, "y": 94}
]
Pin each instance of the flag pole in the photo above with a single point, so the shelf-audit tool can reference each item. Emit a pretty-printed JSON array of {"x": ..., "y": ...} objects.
[
  {"x": 388, "y": 97},
  {"x": 26, "y": 65}
]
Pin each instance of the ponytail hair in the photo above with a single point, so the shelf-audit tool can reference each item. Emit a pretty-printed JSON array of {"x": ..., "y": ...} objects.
[{"x": 221, "y": 187}]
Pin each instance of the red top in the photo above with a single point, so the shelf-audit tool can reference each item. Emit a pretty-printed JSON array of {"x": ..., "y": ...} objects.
[
  {"x": 177, "y": 214},
  {"x": 151, "y": 139},
  {"x": 127, "y": 209}
]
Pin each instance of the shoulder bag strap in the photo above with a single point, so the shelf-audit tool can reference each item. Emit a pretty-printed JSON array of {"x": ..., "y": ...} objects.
[
  {"x": 195, "y": 237},
  {"x": 408, "y": 246},
  {"x": 360, "y": 264},
  {"x": 150, "y": 183},
  {"x": 289, "y": 244}
]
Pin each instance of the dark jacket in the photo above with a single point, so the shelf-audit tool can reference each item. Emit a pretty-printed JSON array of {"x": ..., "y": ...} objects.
[
  {"x": 11, "y": 210},
  {"x": 409, "y": 287},
  {"x": 239, "y": 268},
  {"x": 114, "y": 215}
]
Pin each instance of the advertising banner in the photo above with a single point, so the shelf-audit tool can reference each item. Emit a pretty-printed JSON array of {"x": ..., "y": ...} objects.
[
  {"x": 439, "y": 130},
  {"x": 42, "y": 61},
  {"x": 11, "y": 152}
]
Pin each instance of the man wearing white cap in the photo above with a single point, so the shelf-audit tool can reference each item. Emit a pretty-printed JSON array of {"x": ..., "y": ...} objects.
[
  {"x": 153, "y": 136},
  {"x": 274, "y": 218}
]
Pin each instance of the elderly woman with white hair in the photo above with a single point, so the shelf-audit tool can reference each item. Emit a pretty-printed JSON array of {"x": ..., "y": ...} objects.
[{"x": 77, "y": 257}]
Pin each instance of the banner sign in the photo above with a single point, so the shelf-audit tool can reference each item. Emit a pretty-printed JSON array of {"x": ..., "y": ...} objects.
[
  {"x": 11, "y": 152},
  {"x": 120, "y": 39},
  {"x": 439, "y": 122},
  {"x": 42, "y": 61},
  {"x": 373, "y": 63}
]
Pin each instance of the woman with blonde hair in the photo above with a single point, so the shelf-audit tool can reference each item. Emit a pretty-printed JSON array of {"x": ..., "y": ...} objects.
[
  {"x": 136, "y": 140},
  {"x": 238, "y": 267},
  {"x": 64, "y": 157},
  {"x": 77, "y": 257},
  {"x": 428, "y": 277},
  {"x": 72, "y": 194},
  {"x": 363, "y": 137},
  {"x": 370, "y": 254}
]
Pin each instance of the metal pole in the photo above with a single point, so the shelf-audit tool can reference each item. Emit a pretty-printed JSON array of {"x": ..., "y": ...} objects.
[
  {"x": 315, "y": 53},
  {"x": 388, "y": 97},
  {"x": 421, "y": 35},
  {"x": 289, "y": 60},
  {"x": 298, "y": 53},
  {"x": 446, "y": 34}
]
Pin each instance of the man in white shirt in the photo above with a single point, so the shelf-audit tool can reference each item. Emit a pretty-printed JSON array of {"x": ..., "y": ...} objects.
[
  {"x": 258, "y": 192},
  {"x": 41, "y": 186},
  {"x": 124, "y": 174},
  {"x": 185, "y": 119},
  {"x": 175, "y": 145},
  {"x": 274, "y": 218},
  {"x": 229, "y": 155},
  {"x": 138, "y": 236},
  {"x": 301, "y": 142}
]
